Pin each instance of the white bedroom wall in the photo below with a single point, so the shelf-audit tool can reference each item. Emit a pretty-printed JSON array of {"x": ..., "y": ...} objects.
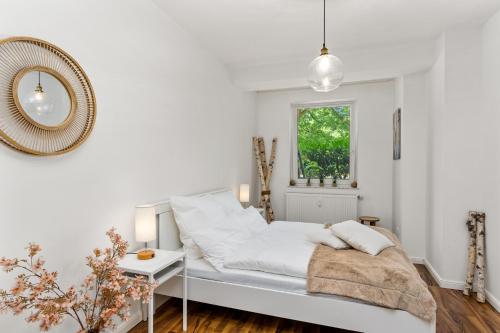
[
  {"x": 410, "y": 172},
  {"x": 491, "y": 164},
  {"x": 168, "y": 122},
  {"x": 456, "y": 150},
  {"x": 436, "y": 93},
  {"x": 463, "y": 177},
  {"x": 397, "y": 186},
  {"x": 375, "y": 105}
]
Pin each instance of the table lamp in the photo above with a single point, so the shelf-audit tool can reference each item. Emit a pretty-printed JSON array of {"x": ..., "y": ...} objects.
[
  {"x": 145, "y": 230},
  {"x": 245, "y": 194}
]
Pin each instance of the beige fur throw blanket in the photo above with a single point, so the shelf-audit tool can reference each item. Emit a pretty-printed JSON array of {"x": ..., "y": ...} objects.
[{"x": 388, "y": 279}]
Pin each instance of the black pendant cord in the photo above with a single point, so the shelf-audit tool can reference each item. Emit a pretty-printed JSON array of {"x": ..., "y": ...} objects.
[
  {"x": 324, "y": 23},
  {"x": 38, "y": 77}
]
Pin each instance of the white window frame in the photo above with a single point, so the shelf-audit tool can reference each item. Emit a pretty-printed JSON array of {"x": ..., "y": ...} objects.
[{"x": 352, "y": 144}]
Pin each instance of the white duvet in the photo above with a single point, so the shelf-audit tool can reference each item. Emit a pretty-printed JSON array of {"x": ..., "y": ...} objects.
[
  {"x": 283, "y": 248},
  {"x": 228, "y": 236}
]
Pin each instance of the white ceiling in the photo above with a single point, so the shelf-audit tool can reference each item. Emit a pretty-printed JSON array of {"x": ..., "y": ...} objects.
[{"x": 245, "y": 32}]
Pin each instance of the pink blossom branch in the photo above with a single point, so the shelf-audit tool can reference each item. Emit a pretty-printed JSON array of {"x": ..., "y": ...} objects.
[{"x": 39, "y": 291}]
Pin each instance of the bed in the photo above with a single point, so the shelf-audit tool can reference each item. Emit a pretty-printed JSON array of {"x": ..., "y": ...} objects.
[{"x": 275, "y": 294}]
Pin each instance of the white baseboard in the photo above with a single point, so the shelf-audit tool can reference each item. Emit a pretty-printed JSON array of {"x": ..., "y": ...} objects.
[
  {"x": 459, "y": 285},
  {"x": 443, "y": 283},
  {"x": 493, "y": 301},
  {"x": 417, "y": 260},
  {"x": 126, "y": 326}
]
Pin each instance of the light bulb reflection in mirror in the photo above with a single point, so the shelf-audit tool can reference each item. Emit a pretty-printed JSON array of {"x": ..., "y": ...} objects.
[
  {"x": 38, "y": 101},
  {"x": 38, "y": 96},
  {"x": 43, "y": 98},
  {"x": 39, "y": 91}
]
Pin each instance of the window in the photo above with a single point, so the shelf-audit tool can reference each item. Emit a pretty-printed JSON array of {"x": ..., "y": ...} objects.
[{"x": 324, "y": 142}]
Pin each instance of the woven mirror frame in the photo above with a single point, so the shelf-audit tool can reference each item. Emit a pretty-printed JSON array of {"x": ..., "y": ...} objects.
[{"x": 21, "y": 55}]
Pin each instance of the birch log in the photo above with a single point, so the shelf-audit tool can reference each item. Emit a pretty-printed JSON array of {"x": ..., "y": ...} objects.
[
  {"x": 260, "y": 170},
  {"x": 264, "y": 189},
  {"x": 270, "y": 167},
  {"x": 265, "y": 172},
  {"x": 471, "y": 265},
  {"x": 480, "y": 295},
  {"x": 262, "y": 153},
  {"x": 271, "y": 162}
]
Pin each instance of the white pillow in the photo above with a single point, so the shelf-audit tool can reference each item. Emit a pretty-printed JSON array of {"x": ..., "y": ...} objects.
[
  {"x": 219, "y": 240},
  {"x": 254, "y": 219},
  {"x": 326, "y": 237},
  {"x": 192, "y": 213},
  {"x": 228, "y": 200},
  {"x": 192, "y": 250},
  {"x": 361, "y": 237}
]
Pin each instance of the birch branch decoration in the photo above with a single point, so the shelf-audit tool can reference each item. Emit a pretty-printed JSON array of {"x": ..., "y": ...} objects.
[
  {"x": 471, "y": 226},
  {"x": 265, "y": 171},
  {"x": 480, "y": 295},
  {"x": 475, "y": 226}
]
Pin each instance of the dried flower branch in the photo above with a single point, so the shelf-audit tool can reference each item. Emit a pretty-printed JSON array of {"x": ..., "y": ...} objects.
[{"x": 102, "y": 296}]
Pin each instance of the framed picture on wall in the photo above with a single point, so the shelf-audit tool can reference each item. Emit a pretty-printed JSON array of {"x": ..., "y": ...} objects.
[{"x": 396, "y": 134}]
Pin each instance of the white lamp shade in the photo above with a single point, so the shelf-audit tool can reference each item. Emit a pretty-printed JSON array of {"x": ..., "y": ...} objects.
[
  {"x": 244, "y": 193},
  {"x": 326, "y": 73},
  {"x": 145, "y": 224}
]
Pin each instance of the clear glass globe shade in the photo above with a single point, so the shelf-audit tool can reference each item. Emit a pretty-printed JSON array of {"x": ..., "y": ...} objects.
[
  {"x": 40, "y": 102},
  {"x": 326, "y": 73}
]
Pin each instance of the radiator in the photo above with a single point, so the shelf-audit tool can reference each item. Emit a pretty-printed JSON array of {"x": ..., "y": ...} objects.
[{"x": 321, "y": 208}]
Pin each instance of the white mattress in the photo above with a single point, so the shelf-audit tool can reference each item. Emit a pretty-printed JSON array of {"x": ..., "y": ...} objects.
[{"x": 201, "y": 268}]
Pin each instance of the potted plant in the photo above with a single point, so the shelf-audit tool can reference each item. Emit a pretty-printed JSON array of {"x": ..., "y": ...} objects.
[
  {"x": 102, "y": 297},
  {"x": 312, "y": 171},
  {"x": 308, "y": 173},
  {"x": 321, "y": 174},
  {"x": 315, "y": 181},
  {"x": 328, "y": 181}
]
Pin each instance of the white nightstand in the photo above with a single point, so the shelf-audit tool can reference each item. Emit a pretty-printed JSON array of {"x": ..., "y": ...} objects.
[{"x": 164, "y": 266}]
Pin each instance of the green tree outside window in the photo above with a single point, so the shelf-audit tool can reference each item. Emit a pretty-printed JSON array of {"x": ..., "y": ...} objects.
[{"x": 323, "y": 140}]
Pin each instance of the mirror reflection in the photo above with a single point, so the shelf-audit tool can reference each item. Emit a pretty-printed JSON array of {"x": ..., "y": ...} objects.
[{"x": 44, "y": 98}]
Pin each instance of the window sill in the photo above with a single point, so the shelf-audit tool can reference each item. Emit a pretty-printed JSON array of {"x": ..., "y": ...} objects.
[{"x": 321, "y": 189}]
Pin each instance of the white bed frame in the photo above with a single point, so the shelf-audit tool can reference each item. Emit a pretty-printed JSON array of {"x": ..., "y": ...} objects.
[{"x": 313, "y": 308}]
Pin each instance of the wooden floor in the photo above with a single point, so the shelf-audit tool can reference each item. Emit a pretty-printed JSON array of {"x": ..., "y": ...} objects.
[{"x": 456, "y": 313}]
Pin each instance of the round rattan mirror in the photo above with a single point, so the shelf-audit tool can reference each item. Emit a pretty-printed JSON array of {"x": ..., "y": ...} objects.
[{"x": 47, "y": 105}]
